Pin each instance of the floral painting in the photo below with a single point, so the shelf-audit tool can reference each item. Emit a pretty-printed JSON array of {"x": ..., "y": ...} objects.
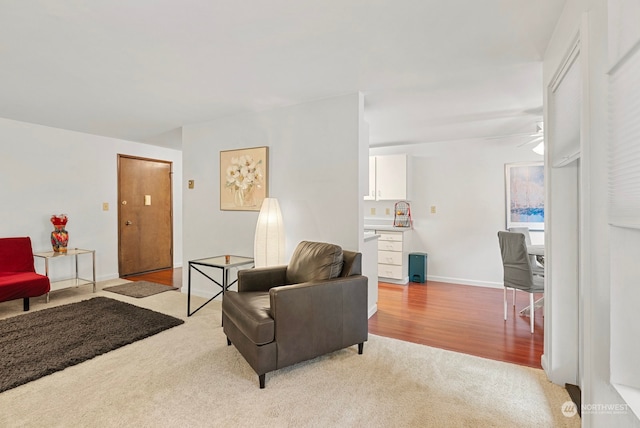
[
  {"x": 525, "y": 195},
  {"x": 243, "y": 178}
]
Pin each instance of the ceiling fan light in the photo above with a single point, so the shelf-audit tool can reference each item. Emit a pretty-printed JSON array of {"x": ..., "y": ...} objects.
[{"x": 539, "y": 149}]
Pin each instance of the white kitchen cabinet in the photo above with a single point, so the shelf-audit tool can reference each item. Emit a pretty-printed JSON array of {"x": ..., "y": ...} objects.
[
  {"x": 393, "y": 262},
  {"x": 388, "y": 178},
  {"x": 371, "y": 196}
]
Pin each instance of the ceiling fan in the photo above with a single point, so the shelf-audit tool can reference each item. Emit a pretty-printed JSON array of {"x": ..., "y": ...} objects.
[
  {"x": 537, "y": 139},
  {"x": 537, "y": 136}
]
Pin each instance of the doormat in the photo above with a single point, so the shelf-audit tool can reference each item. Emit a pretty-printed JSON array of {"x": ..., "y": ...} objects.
[
  {"x": 139, "y": 289},
  {"x": 43, "y": 342}
]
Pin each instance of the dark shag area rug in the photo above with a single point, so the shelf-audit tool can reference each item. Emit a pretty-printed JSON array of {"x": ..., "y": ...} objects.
[
  {"x": 39, "y": 343},
  {"x": 139, "y": 289}
]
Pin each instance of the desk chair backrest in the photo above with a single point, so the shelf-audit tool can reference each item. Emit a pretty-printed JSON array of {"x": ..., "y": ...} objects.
[{"x": 515, "y": 259}]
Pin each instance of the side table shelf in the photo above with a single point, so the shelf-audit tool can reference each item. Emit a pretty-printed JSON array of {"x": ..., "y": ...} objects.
[{"x": 73, "y": 281}]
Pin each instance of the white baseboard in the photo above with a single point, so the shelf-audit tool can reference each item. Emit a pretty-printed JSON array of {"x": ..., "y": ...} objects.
[
  {"x": 107, "y": 277},
  {"x": 372, "y": 310},
  {"x": 404, "y": 281},
  {"x": 463, "y": 281}
]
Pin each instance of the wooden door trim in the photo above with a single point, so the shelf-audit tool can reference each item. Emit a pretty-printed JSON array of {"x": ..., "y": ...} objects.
[{"x": 170, "y": 163}]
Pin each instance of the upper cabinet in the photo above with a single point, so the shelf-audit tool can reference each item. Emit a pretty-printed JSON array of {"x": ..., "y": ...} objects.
[
  {"x": 371, "y": 196},
  {"x": 387, "y": 178}
]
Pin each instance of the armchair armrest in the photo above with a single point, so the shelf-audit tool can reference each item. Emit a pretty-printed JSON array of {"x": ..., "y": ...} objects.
[
  {"x": 317, "y": 317},
  {"x": 261, "y": 279}
]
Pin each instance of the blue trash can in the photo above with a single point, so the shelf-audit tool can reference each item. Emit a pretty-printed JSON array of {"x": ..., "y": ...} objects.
[{"x": 418, "y": 267}]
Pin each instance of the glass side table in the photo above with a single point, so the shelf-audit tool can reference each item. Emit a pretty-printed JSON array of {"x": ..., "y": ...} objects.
[
  {"x": 224, "y": 263},
  {"x": 74, "y": 281}
]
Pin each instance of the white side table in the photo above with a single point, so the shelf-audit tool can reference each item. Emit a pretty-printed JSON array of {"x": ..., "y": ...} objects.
[{"x": 74, "y": 281}]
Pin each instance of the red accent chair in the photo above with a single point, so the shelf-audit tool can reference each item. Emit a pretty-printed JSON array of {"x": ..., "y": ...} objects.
[{"x": 18, "y": 277}]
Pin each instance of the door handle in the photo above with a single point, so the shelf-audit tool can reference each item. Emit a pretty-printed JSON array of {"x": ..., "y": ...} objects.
[{"x": 127, "y": 223}]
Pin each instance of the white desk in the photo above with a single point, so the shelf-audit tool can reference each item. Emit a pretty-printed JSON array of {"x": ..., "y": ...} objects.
[{"x": 535, "y": 250}]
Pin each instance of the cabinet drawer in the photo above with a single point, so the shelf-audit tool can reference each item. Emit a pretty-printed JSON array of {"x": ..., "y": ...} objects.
[
  {"x": 389, "y": 236},
  {"x": 390, "y": 257},
  {"x": 390, "y": 271},
  {"x": 389, "y": 245}
]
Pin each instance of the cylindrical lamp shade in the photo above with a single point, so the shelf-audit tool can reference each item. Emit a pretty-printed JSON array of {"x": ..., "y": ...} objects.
[{"x": 269, "y": 240}]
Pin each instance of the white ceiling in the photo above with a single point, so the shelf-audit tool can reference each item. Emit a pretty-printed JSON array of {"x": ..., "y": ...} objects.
[{"x": 431, "y": 70}]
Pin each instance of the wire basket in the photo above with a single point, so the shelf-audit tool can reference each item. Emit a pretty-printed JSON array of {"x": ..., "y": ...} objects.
[{"x": 402, "y": 214}]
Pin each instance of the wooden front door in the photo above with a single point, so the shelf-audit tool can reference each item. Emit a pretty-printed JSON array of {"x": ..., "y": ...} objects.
[{"x": 145, "y": 230}]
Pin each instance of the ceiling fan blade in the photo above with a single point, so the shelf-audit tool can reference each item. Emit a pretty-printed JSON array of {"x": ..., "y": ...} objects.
[
  {"x": 532, "y": 141},
  {"x": 500, "y": 137}
]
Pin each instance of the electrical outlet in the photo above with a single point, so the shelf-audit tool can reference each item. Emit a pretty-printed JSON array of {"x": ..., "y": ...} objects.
[
  {"x": 433, "y": 209},
  {"x": 373, "y": 211},
  {"x": 387, "y": 211},
  {"x": 105, "y": 206}
]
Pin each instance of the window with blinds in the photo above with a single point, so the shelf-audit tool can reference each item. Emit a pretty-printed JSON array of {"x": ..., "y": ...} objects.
[
  {"x": 624, "y": 142},
  {"x": 624, "y": 218}
]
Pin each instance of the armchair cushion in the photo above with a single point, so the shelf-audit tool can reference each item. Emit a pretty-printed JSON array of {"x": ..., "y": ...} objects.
[
  {"x": 314, "y": 261},
  {"x": 261, "y": 279},
  {"x": 16, "y": 255},
  {"x": 251, "y": 314},
  {"x": 352, "y": 263},
  {"x": 18, "y": 277}
]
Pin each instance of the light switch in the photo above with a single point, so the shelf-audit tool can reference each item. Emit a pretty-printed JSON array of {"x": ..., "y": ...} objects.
[
  {"x": 433, "y": 209},
  {"x": 373, "y": 211},
  {"x": 147, "y": 199},
  {"x": 191, "y": 184},
  {"x": 387, "y": 211},
  {"x": 105, "y": 206}
]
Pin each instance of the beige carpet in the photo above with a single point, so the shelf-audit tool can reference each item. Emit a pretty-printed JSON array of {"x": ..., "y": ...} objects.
[{"x": 188, "y": 377}]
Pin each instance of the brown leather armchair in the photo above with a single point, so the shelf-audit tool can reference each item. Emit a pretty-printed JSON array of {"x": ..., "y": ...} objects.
[{"x": 287, "y": 314}]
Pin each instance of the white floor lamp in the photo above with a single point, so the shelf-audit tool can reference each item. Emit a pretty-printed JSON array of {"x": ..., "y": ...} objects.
[{"x": 268, "y": 247}]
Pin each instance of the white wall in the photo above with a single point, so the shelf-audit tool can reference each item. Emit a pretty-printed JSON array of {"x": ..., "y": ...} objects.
[
  {"x": 314, "y": 153},
  {"x": 47, "y": 171},
  {"x": 466, "y": 184}
]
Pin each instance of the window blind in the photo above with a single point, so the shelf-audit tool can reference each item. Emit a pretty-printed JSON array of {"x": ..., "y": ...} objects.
[{"x": 624, "y": 143}]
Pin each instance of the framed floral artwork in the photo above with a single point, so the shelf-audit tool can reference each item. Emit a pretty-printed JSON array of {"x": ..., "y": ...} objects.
[
  {"x": 244, "y": 179},
  {"x": 525, "y": 195}
]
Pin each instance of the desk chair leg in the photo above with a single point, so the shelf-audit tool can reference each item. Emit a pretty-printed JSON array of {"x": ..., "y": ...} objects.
[
  {"x": 505, "y": 303},
  {"x": 532, "y": 310}
]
